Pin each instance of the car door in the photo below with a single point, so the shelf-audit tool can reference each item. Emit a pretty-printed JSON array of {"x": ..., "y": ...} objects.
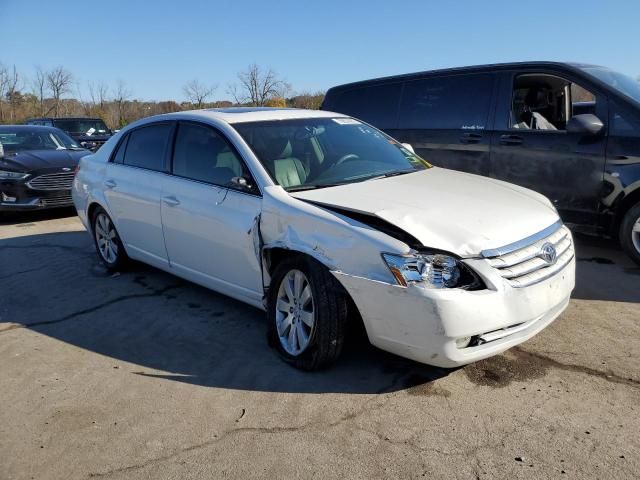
[
  {"x": 447, "y": 120},
  {"x": 532, "y": 148},
  {"x": 209, "y": 221},
  {"x": 133, "y": 185}
]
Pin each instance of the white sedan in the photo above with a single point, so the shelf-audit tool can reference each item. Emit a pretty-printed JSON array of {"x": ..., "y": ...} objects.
[{"x": 321, "y": 219}]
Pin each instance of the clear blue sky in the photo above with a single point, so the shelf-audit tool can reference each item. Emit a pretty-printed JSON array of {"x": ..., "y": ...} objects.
[{"x": 157, "y": 46}]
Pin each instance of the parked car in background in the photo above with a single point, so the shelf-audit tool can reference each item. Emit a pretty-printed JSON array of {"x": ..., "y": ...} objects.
[
  {"x": 37, "y": 165},
  {"x": 90, "y": 132},
  {"x": 316, "y": 218},
  {"x": 568, "y": 131}
]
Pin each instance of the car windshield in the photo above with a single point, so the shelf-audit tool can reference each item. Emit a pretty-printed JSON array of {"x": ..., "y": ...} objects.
[
  {"x": 83, "y": 127},
  {"x": 311, "y": 153},
  {"x": 15, "y": 140},
  {"x": 619, "y": 81}
]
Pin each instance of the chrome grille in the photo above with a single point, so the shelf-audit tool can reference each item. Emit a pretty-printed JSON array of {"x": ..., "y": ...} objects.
[
  {"x": 57, "y": 201},
  {"x": 522, "y": 264},
  {"x": 52, "y": 181}
]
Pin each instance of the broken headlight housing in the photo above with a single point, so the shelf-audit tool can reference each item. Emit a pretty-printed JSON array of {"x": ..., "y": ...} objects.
[{"x": 432, "y": 270}]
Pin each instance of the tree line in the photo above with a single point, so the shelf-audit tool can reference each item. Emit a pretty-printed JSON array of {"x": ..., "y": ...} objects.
[{"x": 57, "y": 92}]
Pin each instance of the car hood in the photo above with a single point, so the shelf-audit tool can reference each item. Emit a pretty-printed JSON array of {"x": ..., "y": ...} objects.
[
  {"x": 43, "y": 159},
  {"x": 445, "y": 209}
]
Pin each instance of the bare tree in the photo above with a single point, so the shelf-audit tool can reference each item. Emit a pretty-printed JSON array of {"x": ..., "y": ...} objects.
[
  {"x": 257, "y": 86},
  {"x": 197, "y": 92},
  {"x": 39, "y": 85},
  {"x": 13, "y": 94},
  {"x": 120, "y": 96},
  {"x": 59, "y": 81},
  {"x": 4, "y": 80}
]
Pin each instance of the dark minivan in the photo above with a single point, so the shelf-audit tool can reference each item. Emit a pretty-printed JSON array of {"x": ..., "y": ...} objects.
[{"x": 568, "y": 131}]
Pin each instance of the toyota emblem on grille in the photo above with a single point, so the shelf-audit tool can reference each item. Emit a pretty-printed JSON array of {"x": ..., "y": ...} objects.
[
  {"x": 66, "y": 169},
  {"x": 548, "y": 253}
]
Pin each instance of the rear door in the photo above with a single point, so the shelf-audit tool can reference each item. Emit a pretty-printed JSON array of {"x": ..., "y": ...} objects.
[
  {"x": 133, "y": 184},
  {"x": 567, "y": 168},
  {"x": 209, "y": 222},
  {"x": 447, "y": 120}
]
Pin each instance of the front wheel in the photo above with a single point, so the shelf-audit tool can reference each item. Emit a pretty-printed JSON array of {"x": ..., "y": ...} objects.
[
  {"x": 108, "y": 244},
  {"x": 630, "y": 233},
  {"x": 307, "y": 314}
]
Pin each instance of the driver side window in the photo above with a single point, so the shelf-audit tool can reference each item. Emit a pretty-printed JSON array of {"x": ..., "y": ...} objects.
[{"x": 544, "y": 102}]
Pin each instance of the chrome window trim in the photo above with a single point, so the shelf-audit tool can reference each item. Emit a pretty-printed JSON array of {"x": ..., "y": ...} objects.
[{"x": 525, "y": 242}]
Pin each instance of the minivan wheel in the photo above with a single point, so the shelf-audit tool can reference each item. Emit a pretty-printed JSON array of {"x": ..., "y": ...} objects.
[
  {"x": 108, "y": 244},
  {"x": 307, "y": 314},
  {"x": 630, "y": 233}
]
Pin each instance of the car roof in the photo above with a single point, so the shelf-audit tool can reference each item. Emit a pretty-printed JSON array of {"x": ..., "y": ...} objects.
[
  {"x": 64, "y": 118},
  {"x": 18, "y": 128},
  {"x": 254, "y": 114},
  {"x": 467, "y": 69}
]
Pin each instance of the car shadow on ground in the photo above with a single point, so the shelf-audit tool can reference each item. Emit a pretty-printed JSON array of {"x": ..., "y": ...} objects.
[
  {"x": 604, "y": 272},
  {"x": 167, "y": 328},
  {"x": 31, "y": 216}
]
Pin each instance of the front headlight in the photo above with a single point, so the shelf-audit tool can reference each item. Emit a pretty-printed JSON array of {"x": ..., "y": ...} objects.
[
  {"x": 7, "y": 175},
  {"x": 433, "y": 270}
]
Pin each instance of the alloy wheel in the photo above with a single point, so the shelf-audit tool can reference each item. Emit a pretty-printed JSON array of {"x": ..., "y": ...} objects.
[
  {"x": 106, "y": 238},
  {"x": 295, "y": 314},
  {"x": 635, "y": 235}
]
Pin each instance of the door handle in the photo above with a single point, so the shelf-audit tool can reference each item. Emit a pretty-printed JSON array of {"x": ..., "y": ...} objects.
[
  {"x": 511, "y": 140},
  {"x": 110, "y": 183},
  {"x": 470, "y": 138},
  {"x": 171, "y": 201}
]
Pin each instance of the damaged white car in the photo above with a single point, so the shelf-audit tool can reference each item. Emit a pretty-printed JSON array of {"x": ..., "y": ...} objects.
[{"x": 317, "y": 218}]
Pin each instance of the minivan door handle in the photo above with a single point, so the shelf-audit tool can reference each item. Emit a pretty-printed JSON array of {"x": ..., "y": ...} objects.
[
  {"x": 470, "y": 137},
  {"x": 511, "y": 140},
  {"x": 110, "y": 183},
  {"x": 171, "y": 201}
]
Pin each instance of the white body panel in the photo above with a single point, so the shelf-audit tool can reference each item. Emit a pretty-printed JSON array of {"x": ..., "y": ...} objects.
[
  {"x": 216, "y": 237},
  {"x": 207, "y": 238}
]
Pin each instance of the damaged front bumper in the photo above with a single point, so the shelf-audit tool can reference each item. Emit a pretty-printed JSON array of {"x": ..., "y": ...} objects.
[{"x": 453, "y": 327}]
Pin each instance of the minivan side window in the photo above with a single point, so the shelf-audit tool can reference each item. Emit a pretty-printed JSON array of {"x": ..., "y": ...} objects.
[
  {"x": 460, "y": 102},
  {"x": 202, "y": 154},
  {"x": 376, "y": 104},
  {"x": 543, "y": 101},
  {"x": 147, "y": 145}
]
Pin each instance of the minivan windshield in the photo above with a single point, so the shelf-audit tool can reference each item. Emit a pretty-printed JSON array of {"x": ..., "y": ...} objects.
[
  {"x": 619, "y": 81},
  {"x": 308, "y": 153},
  {"x": 82, "y": 127}
]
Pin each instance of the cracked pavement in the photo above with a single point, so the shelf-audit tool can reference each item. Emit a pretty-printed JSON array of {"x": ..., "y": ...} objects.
[{"x": 141, "y": 375}]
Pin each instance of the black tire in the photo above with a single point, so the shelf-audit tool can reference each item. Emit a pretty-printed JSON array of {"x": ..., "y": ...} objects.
[
  {"x": 626, "y": 233},
  {"x": 330, "y": 305},
  {"x": 121, "y": 258}
]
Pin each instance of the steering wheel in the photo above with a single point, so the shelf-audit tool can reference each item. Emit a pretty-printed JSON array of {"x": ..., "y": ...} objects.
[{"x": 346, "y": 158}]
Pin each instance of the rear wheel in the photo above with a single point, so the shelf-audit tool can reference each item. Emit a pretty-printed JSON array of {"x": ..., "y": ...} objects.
[
  {"x": 307, "y": 314},
  {"x": 630, "y": 233},
  {"x": 108, "y": 244}
]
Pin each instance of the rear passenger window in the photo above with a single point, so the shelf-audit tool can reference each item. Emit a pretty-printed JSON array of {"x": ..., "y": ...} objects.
[
  {"x": 377, "y": 105},
  {"x": 118, "y": 156},
  {"x": 202, "y": 154},
  {"x": 456, "y": 102},
  {"x": 146, "y": 147}
]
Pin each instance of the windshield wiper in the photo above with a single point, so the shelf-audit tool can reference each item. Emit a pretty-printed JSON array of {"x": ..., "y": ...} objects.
[
  {"x": 300, "y": 188},
  {"x": 392, "y": 174}
]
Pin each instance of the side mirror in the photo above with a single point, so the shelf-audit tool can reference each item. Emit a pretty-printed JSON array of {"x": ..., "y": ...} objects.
[
  {"x": 241, "y": 182},
  {"x": 409, "y": 147},
  {"x": 585, "y": 123}
]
